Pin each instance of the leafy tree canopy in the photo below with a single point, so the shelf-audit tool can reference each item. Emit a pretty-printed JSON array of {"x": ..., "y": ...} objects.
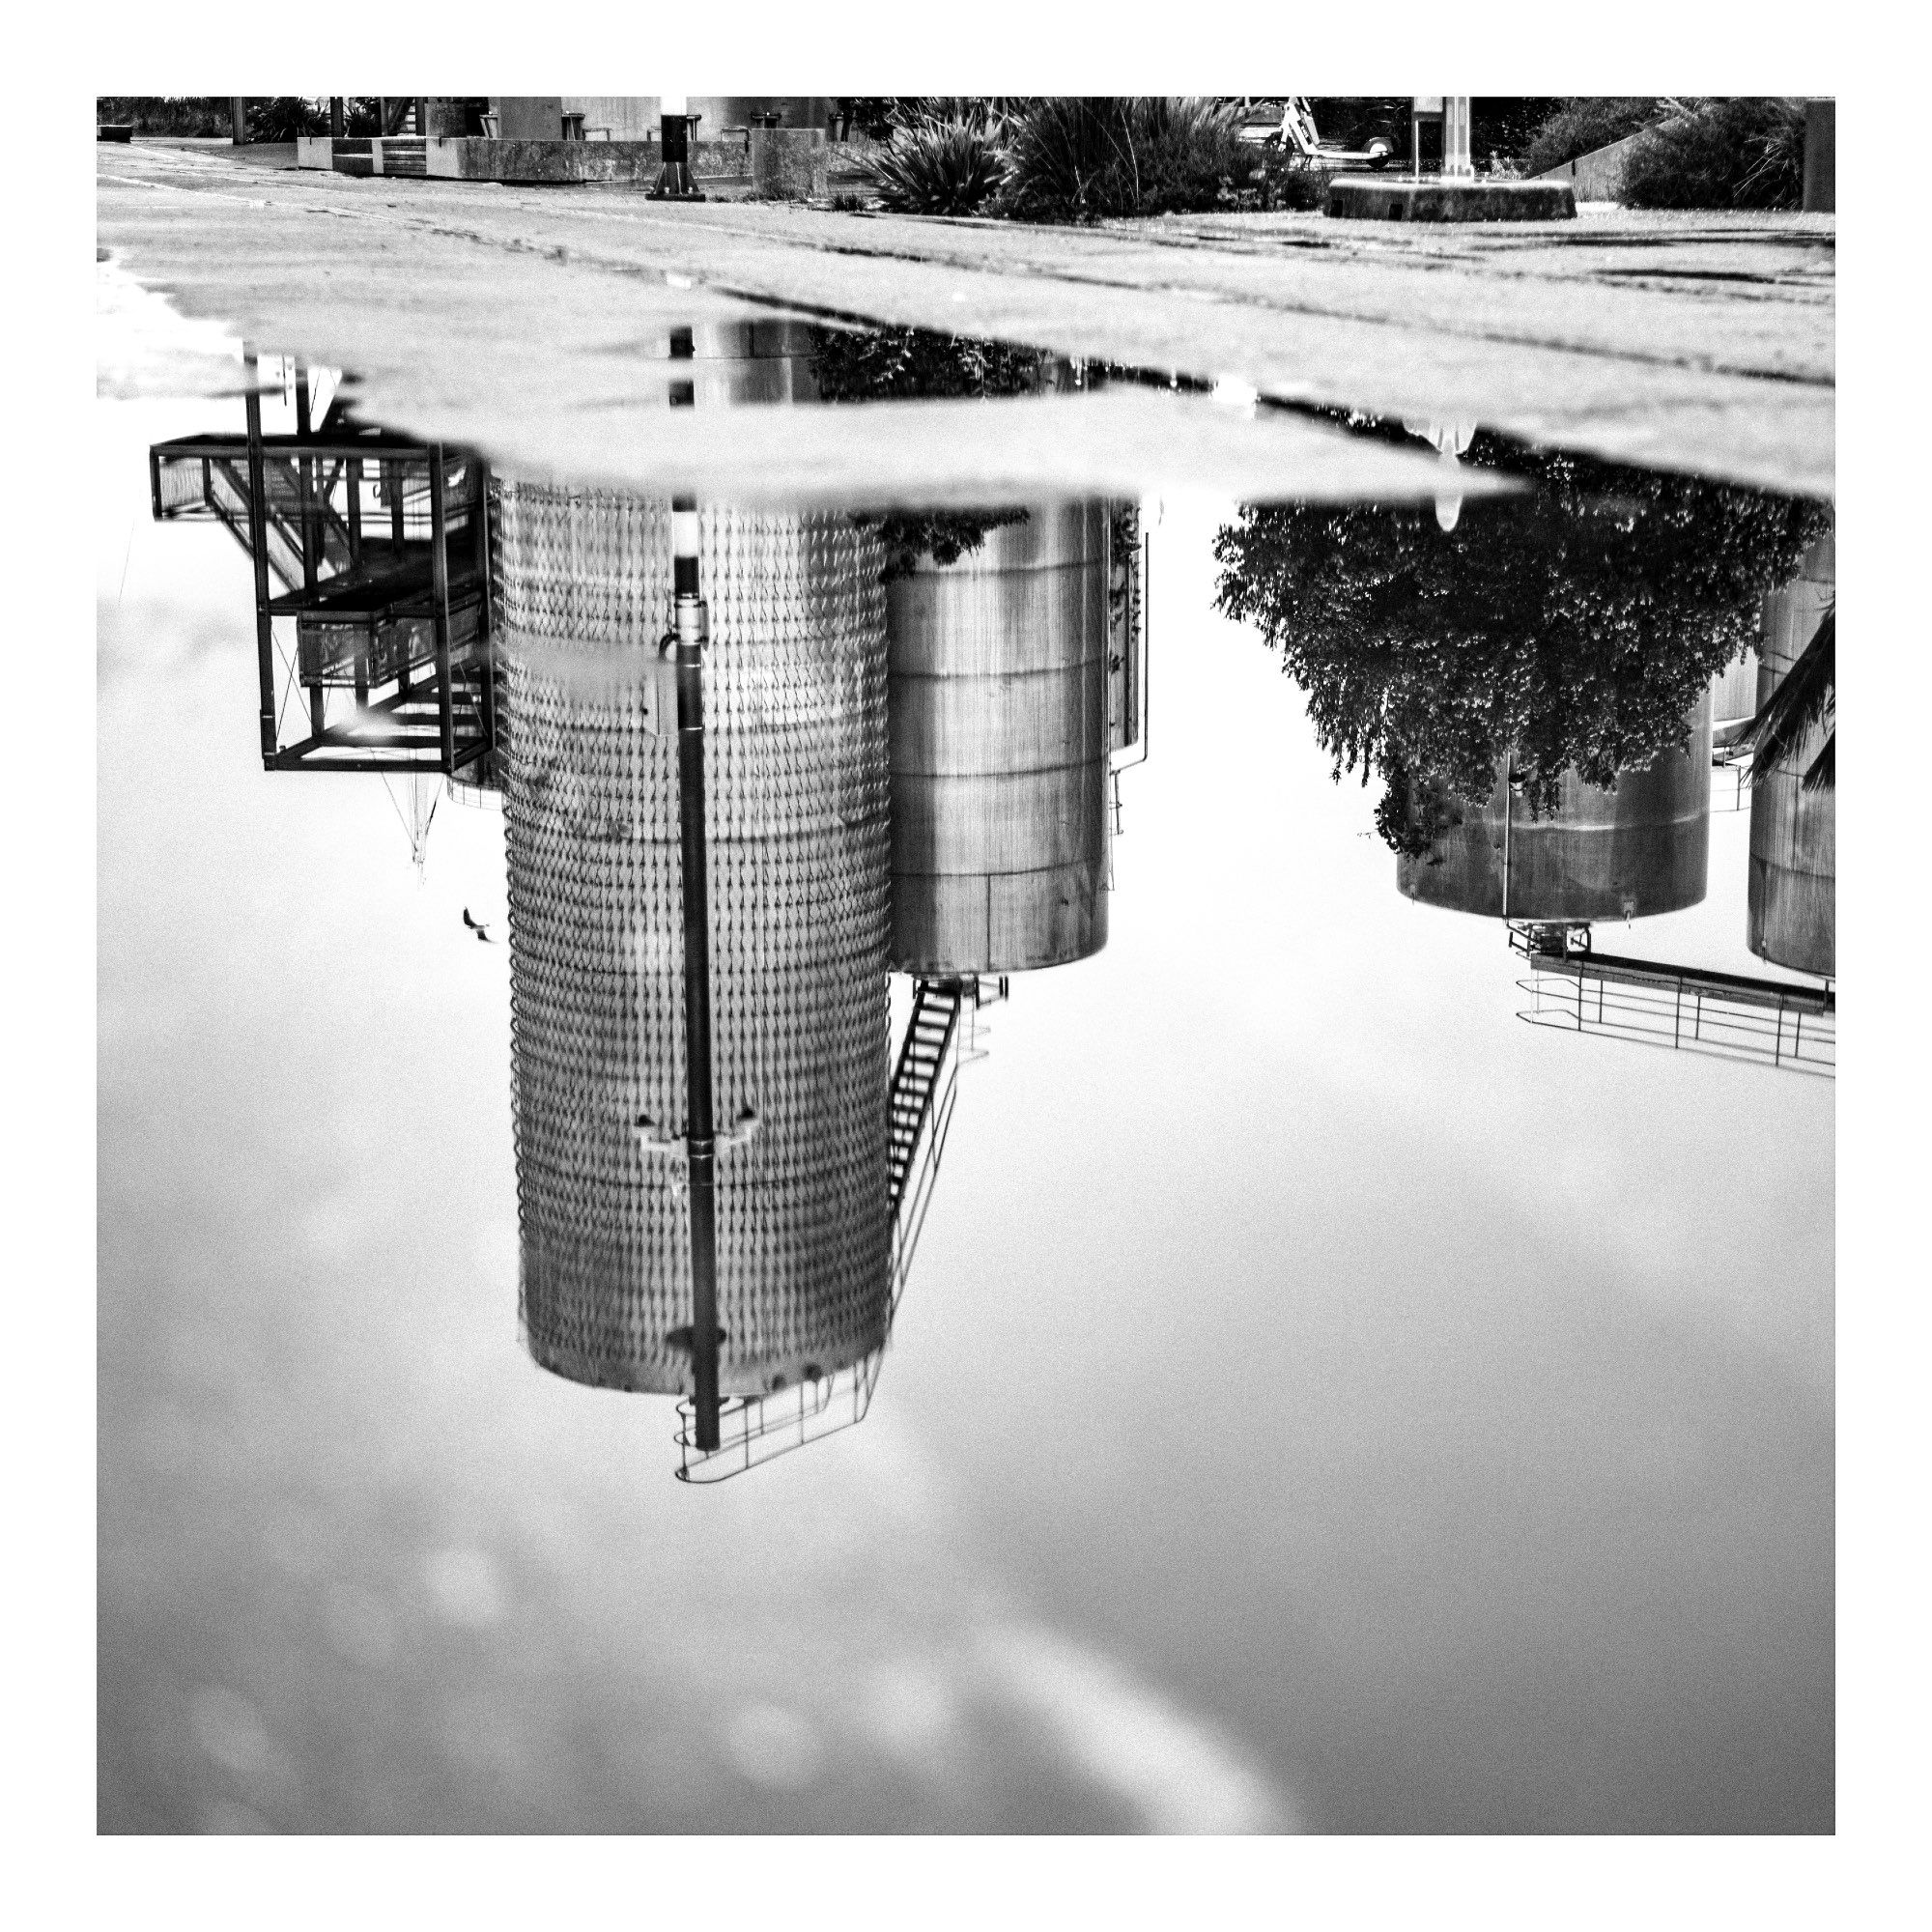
[
  {"x": 854, "y": 365},
  {"x": 1571, "y": 625}
]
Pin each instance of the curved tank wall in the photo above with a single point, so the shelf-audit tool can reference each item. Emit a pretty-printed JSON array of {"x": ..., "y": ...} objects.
[
  {"x": 1642, "y": 848},
  {"x": 748, "y": 362},
  {"x": 797, "y": 833},
  {"x": 1734, "y": 699},
  {"x": 1792, "y": 902},
  {"x": 999, "y": 749},
  {"x": 638, "y": 117}
]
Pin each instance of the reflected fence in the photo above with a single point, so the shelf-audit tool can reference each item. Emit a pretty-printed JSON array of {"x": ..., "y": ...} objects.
[{"x": 1781, "y": 1023}]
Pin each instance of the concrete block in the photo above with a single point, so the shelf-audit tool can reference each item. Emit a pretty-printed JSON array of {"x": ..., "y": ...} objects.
[
  {"x": 790, "y": 163},
  {"x": 314, "y": 151},
  {"x": 1377, "y": 198}
]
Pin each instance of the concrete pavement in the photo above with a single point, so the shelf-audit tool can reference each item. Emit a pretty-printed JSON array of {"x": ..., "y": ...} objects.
[{"x": 1700, "y": 343}]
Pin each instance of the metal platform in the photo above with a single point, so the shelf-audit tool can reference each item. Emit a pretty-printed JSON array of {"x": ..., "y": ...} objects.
[
  {"x": 373, "y": 552},
  {"x": 1787, "y": 1025}
]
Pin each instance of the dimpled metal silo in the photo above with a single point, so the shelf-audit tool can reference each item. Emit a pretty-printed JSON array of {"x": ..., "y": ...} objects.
[
  {"x": 1643, "y": 848},
  {"x": 1792, "y": 910},
  {"x": 1000, "y": 749},
  {"x": 795, "y": 695}
]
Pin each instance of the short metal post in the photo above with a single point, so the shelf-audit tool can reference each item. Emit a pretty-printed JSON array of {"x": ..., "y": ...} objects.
[
  {"x": 701, "y": 1141},
  {"x": 355, "y": 474},
  {"x": 487, "y": 639}
]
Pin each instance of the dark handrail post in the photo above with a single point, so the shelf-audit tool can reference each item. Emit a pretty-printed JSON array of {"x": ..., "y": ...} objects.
[
  {"x": 488, "y": 639},
  {"x": 439, "y": 569},
  {"x": 700, "y": 1143},
  {"x": 258, "y": 546}
]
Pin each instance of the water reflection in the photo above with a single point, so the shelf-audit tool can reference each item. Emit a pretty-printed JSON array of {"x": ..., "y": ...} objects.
[
  {"x": 1794, "y": 851},
  {"x": 911, "y": 726},
  {"x": 1535, "y": 687}
]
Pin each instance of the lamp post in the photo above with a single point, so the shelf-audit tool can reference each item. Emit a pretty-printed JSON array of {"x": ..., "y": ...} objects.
[{"x": 673, "y": 181}]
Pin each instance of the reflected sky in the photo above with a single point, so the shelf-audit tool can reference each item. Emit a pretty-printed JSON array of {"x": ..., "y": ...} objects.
[{"x": 1321, "y": 1400}]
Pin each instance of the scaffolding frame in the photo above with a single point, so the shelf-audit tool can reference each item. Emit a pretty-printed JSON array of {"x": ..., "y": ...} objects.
[{"x": 380, "y": 546}]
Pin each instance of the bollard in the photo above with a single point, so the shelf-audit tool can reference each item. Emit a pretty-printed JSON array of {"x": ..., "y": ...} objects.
[{"x": 1821, "y": 156}]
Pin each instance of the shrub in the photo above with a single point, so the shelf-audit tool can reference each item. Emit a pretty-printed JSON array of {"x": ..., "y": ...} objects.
[
  {"x": 943, "y": 535},
  {"x": 939, "y": 167},
  {"x": 863, "y": 365},
  {"x": 282, "y": 117},
  {"x": 1285, "y": 182},
  {"x": 1502, "y": 125},
  {"x": 1583, "y": 123},
  {"x": 179, "y": 114},
  {"x": 1080, "y": 158},
  {"x": 1740, "y": 152}
]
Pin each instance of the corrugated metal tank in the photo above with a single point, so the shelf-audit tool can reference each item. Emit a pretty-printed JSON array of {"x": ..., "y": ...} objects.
[
  {"x": 797, "y": 799},
  {"x": 1000, "y": 749},
  {"x": 1642, "y": 848},
  {"x": 1792, "y": 909}
]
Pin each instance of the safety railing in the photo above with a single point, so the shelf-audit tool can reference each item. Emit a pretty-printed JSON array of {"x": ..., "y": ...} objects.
[{"x": 1785, "y": 1025}]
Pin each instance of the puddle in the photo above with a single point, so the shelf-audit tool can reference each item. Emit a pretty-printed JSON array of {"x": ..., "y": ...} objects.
[{"x": 1133, "y": 820}]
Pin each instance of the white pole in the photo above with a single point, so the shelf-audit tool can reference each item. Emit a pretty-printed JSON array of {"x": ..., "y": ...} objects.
[{"x": 1456, "y": 163}]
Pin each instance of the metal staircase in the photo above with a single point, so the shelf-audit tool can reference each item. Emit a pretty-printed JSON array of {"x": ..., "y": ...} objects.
[
  {"x": 943, "y": 1034},
  {"x": 391, "y": 668},
  {"x": 935, "y": 1018}
]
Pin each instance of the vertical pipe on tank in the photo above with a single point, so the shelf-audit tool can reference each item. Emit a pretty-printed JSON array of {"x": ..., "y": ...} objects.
[{"x": 700, "y": 1143}]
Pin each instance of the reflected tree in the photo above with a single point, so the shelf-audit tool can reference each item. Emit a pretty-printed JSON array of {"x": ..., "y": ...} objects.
[
  {"x": 854, "y": 365},
  {"x": 1573, "y": 624}
]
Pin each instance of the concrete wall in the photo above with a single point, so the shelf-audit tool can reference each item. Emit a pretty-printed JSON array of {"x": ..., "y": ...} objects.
[
  {"x": 1598, "y": 175},
  {"x": 528, "y": 117}
]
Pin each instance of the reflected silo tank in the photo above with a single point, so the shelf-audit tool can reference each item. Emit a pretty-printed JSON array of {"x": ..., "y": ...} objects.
[
  {"x": 1792, "y": 905},
  {"x": 747, "y": 362},
  {"x": 1734, "y": 699},
  {"x": 999, "y": 728},
  {"x": 1642, "y": 848},
  {"x": 798, "y": 853}
]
